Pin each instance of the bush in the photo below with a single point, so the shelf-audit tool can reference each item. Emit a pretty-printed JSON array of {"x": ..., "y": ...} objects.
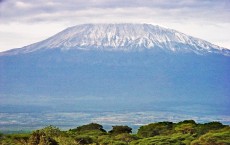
[
  {"x": 153, "y": 129},
  {"x": 187, "y": 121},
  {"x": 14, "y": 139},
  {"x": 161, "y": 133},
  {"x": 51, "y": 131},
  {"x": 88, "y": 127},
  {"x": 218, "y": 137},
  {"x": 66, "y": 140},
  {"x": 83, "y": 140},
  {"x": 120, "y": 129},
  {"x": 204, "y": 128},
  {"x": 176, "y": 139},
  {"x": 40, "y": 138},
  {"x": 125, "y": 137},
  {"x": 186, "y": 128}
]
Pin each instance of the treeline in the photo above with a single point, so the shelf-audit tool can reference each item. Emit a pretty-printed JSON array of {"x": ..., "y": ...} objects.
[{"x": 164, "y": 133}]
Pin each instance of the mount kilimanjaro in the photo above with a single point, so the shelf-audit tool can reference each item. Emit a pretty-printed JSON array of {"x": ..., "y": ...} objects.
[
  {"x": 122, "y": 37},
  {"x": 117, "y": 67}
]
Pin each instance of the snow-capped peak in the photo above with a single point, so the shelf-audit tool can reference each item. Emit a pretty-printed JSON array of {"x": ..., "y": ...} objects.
[{"x": 124, "y": 37}]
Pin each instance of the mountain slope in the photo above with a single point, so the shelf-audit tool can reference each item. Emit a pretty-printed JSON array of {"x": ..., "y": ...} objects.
[
  {"x": 118, "y": 67},
  {"x": 123, "y": 37}
]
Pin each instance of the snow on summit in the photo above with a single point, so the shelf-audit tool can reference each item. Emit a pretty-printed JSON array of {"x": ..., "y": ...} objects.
[{"x": 124, "y": 37}]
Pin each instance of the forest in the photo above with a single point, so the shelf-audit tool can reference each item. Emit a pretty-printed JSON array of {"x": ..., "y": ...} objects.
[{"x": 160, "y": 133}]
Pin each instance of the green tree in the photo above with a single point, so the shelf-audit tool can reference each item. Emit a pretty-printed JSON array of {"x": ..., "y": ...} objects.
[
  {"x": 44, "y": 140},
  {"x": 34, "y": 138},
  {"x": 1, "y": 135},
  {"x": 153, "y": 129},
  {"x": 215, "y": 137},
  {"x": 172, "y": 139},
  {"x": 40, "y": 138},
  {"x": 89, "y": 127},
  {"x": 186, "y": 122},
  {"x": 126, "y": 137},
  {"x": 186, "y": 128},
  {"x": 83, "y": 140},
  {"x": 105, "y": 140},
  {"x": 206, "y": 127},
  {"x": 51, "y": 131},
  {"x": 120, "y": 129}
]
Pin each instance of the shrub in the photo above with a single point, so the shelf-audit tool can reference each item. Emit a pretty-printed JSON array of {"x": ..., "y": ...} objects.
[
  {"x": 40, "y": 138},
  {"x": 120, "y": 129},
  {"x": 88, "y": 127},
  {"x": 153, "y": 129},
  {"x": 217, "y": 137},
  {"x": 204, "y": 128},
  {"x": 51, "y": 131}
]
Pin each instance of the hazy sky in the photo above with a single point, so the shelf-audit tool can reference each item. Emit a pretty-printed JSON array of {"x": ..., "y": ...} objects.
[{"x": 23, "y": 22}]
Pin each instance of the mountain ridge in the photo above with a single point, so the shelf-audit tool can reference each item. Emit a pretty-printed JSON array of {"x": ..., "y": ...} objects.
[{"x": 122, "y": 37}]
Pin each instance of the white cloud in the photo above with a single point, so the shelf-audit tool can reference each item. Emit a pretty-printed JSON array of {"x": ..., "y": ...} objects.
[{"x": 16, "y": 35}]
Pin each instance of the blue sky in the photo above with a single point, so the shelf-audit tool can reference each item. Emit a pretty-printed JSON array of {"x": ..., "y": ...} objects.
[{"x": 23, "y": 22}]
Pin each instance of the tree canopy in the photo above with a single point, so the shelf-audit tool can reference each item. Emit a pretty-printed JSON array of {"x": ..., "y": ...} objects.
[{"x": 183, "y": 133}]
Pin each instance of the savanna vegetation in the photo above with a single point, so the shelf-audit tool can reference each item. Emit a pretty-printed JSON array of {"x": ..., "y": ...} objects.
[{"x": 161, "y": 133}]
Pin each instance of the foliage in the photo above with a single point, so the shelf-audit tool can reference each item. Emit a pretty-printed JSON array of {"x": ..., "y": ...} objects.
[
  {"x": 1, "y": 135},
  {"x": 66, "y": 140},
  {"x": 40, "y": 138},
  {"x": 218, "y": 137},
  {"x": 51, "y": 131},
  {"x": 162, "y": 133},
  {"x": 125, "y": 137},
  {"x": 88, "y": 127},
  {"x": 120, "y": 129},
  {"x": 179, "y": 139},
  {"x": 14, "y": 139},
  {"x": 186, "y": 128},
  {"x": 104, "y": 139},
  {"x": 206, "y": 127},
  {"x": 187, "y": 122},
  {"x": 83, "y": 139},
  {"x": 153, "y": 129}
]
